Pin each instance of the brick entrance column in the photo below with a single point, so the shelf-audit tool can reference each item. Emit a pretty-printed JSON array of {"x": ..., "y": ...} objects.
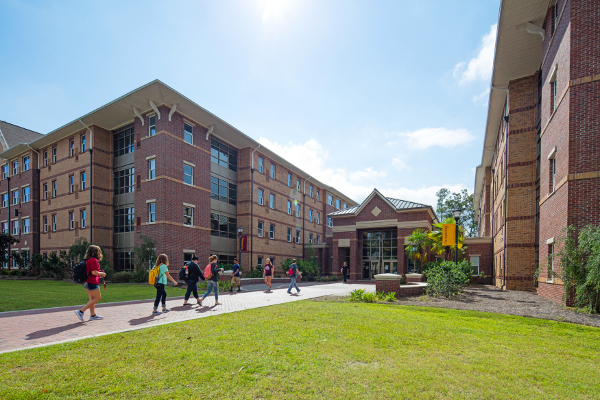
[{"x": 355, "y": 258}]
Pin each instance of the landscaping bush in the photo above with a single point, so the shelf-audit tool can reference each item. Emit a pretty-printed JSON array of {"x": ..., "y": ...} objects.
[
  {"x": 328, "y": 278},
  {"x": 447, "y": 278},
  {"x": 308, "y": 268},
  {"x": 223, "y": 286},
  {"x": 357, "y": 294},
  {"x": 140, "y": 276},
  {"x": 255, "y": 273},
  {"x": 369, "y": 297},
  {"x": 122, "y": 277},
  {"x": 391, "y": 297}
]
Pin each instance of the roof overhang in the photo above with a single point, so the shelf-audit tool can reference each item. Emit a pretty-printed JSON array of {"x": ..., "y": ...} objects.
[{"x": 518, "y": 54}]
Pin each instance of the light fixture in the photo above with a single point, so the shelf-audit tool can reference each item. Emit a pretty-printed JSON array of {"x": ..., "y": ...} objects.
[
  {"x": 240, "y": 229},
  {"x": 457, "y": 213}
]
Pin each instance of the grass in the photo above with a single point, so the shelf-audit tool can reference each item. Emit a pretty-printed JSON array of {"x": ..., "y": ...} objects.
[
  {"x": 27, "y": 294},
  {"x": 328, "y": 350}
]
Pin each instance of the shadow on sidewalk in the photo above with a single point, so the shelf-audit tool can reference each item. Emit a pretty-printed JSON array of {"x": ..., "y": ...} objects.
[
  {"x": 143, "y": 320},
  {"x": 52, "y": 331}
]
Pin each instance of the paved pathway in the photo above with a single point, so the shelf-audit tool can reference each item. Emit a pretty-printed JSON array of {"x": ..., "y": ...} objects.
[{"x": 34, "y": 328}]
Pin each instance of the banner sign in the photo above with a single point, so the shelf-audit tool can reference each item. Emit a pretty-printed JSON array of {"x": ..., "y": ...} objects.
[
  {"x": 244, "y": 243},
  {"x": 448, "y": 234}
]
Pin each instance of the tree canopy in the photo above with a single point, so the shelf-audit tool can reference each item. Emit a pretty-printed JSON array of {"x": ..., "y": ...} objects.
[{"x": 448, "y": 202}]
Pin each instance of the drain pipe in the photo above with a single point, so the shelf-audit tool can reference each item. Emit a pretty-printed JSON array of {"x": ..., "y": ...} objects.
[
  {"x": 91, "y": 182},
  {"x": 252, "y": 206}
]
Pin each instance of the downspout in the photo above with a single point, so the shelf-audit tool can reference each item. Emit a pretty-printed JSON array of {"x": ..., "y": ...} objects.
[
  {"x": 91, "y": 182},
  {"x": 252, "y": 206},
  {"x": 36, "y": 152},
  {"x": 9, "y": 200}
]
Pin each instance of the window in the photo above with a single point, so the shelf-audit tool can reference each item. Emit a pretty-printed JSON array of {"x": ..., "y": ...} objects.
[
  {"x": 272, "y": 201},
  {"x": 71, "y": 220},
  {"x": 188, "y": 174},
  {"x": 26, "y": 163},
  {"x": 71, "y": 184},
  {"x": 151, "y": 213},
  {"x": 223, "y": 155},
  {"x": 318, "y": 218},
  {"x": 15, "y": 167},
  {"x": 345, "y": 206},
  {"x": 15, "y": 197},
  {"x": 82, "y": 218},
  {"x": 223, "y": 226},
  {"x": 223, "y": 191},
  {"x": 5, "y": 227},
  {"x": 289, "y": 235},
  {"x": 555, "y": 16},
  {"x": 53, "y": 188},
  {"x": 298, "y": 210},
  {"x": 552, "y": 174},
  {"x": 260, "y": 229},
  {"x": 311, "y": 191},
  {"x": 45, "y": 159},
  {"x": 553, "y": 89},
  {"x": 272, "y": 232},
  {"x": 83, "y": 143},
  {"x": 298, "y": 183},
  {"x": 260, "y": 261},
  {"x": 273, "y": 171},
  {"x": 318, "y": 239},
  {"x": 310, "y": 238},
  {"x": 298, "y": 236},
  {"x": 123, "y": 142},
  {"x": 54, "y": 223},
  {"x": 82, "y": 180},
  {"x": 551, "y": 262},
  {"x": 337, "y": 203},
  {"x": 152, "y": 125},
  {"x": 123, "y": 181},
  {"x": 475, "y": 264},
  {"x": 188, "y": 216},
  {"x": 330, "y": 222},
  {"x": 318, "y": 195},
  {"x": 5, "y": 171},
  {"x": 5, "y": 200},
  {"x": 260, "y": 196},
  {"x": 72, "y": 147},
  {"x": 289, "y": 179},
  {"x": 329, "y": 199},
  {"x": 123, "y": 261},
  {"x": 123, "y": 219},
  {"x": 260, "y": 164},
  {"x": 26, "y": 225},
  {"x": 45, "y": 223},
  {"x": 54, "y": 155},
  {"x": 151, "y": 168},
  {"x": 26, "y": 194},
  {"x": 188, "y": 133},
  {"x": 289, "y": 208},
  {"x": 15, "y": 229},
  {"x": 310, "y": 215}
]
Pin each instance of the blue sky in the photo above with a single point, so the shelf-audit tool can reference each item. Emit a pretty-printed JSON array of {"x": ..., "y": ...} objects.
[{"x": 360, "y": 94}]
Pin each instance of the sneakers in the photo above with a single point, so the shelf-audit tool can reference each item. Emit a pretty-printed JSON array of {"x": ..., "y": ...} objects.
[
  {"x": 239, "y": 289},
  {"x": 231, "y": 290},
  {"x": 96, "y": 318},
  {"x": 289, "y": 292},
  {"x": 298, "y": 290},
  {"x": 79, "y": 314},
  {"x": 156, "y": 312},
  {"x": 165, "y": 310}
]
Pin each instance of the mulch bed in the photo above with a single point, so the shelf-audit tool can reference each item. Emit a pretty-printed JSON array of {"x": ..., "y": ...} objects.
[{"x": 489, "y": 298}]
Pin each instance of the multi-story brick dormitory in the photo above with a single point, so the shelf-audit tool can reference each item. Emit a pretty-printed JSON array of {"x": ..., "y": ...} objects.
[
  {"x": 154, "y": 163},
  {"x": 540, "y": 169}
]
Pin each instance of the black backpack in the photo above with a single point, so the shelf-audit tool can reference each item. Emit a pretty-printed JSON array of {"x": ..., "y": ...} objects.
[
  {"x": 80, "y": 274},
  {"x": 183, "y": 273}
]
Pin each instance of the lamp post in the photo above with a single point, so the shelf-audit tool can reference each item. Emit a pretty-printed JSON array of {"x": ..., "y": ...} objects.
[
  {"x": 240, "y": 231},
  {"x": 456, "y": 213}
]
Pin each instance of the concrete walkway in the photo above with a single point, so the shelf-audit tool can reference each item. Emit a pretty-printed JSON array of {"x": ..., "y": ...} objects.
[{"x": 34, "y": 328}]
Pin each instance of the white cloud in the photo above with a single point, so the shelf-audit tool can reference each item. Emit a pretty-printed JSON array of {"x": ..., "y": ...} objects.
[
  {"x": 429, "y": 137},
  {"x": 399, "y": 164},
  {"x": 480, "y": 67},
  {"x": 481, "y": 98},
  {"x": 425, "y": 195},
  {"x": 368, "y": 174}
]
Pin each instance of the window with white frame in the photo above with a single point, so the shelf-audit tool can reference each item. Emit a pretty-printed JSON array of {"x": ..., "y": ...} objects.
[
  {"x": 4, "y": 200},
  {"x": 188, "y": 216},
  {"x": 54, "y": 153},
  {"x": 260, "y": 229},
  {"x": 26, "y": 225},
  {"x": 330, "y": 222},
  {"x": 45, "y": 191},
  {"x": 271, "y": 200},
  {"x": 188, "y": 133},
  {"x": 45, "y": 158},
  {"x": 318, "y": 218},
  {"x": 298, "y": 236},
  {"x": 297, "y": 210},
  {"x": 318, "y": 195},
  {"x": 15, "y": 165},
  {"x": 5, "y": 227},
  {"x": 289, "y": 179},
  {"x": 72, "y": 147},
  {"x": 152, "y": 125},
  {"x": 345, "y": 206},
  {"x": 83, "y": 144},
  {"x": 272, "y": 170},
  {"x": 337, "y": 203},
  {"x": 260, "y": 164},
  {"x": 188, "y": 174},
  {"x": 72, "y": 184},
  {"x": 26, "y": 163},
  {"x": 71, "y": 220},
  {"x": 53, "y": 188},
  {"x": 298, "y": 183},
  {"x": 15, "y": 196},
  {"x": 260, "y": 261},
  {"x": 553, "y": 89},
  {"x": 151, "y": 213},
  {"x": 15, "y": 226},
  {"x": 151, "y": 168},
  {"x": 551, "y": 262},
  {"x": 272, "y": 232},
  {"x": 310, "y": 215},
  {"x": 54, "y": 223},
  {"x": 289, "y": 235},
  {"x": 82, "y": 218},
  {"x": 330, "y": 199},
  {"x": 475, "y": 265},
  {"x": 82, "y": 180},
  {"x": 289, "y": 207},
  {"x": 310, "y": 189},
  {"x": 552, "y": 170},
  {"x": 310, "y": 238},
  {"x": 318, "y": 239},
  {"x": 260, "y": 197},
  {"x": 45, "y": 224},
  {"x": 5, "y": 171},
  {"x": 26, "y": 194}
]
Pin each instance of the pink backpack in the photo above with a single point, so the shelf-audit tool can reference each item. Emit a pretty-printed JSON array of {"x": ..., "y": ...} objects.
[{"x": 207, "y": 272}]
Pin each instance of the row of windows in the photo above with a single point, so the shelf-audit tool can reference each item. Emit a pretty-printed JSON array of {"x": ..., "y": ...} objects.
[
  {"x": 15, "y": 226},
  {"x": 188, "y": 173},
  {"x": 54, "y": 223},
  {"x": 223, "y": 226},
  {"x": 223, "y": 190},
  {"x": 123, "y": 181},
  {"x": 72, "y": 187},
  {"x": 223, "y": 155},
  {"x": 289, "y": 235},
  {"x": 123, "y": 142},
  {"x": 15, "y": 195},
  {"x": 290, "y": 208}
]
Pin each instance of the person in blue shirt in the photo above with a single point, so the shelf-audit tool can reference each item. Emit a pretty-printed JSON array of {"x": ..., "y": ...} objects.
[
  {"x": 295, "y": 274},
  {"x": 236, "y": 276}
]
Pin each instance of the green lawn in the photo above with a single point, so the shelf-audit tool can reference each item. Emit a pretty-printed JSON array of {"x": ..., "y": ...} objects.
[
  {"x": 27, "y": 294},
  {"x": 328, "y": 350}
]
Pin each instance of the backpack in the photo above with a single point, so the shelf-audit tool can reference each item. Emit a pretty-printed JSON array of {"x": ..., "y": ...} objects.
[
  {"x": 80, "y": 274},
  {"x": 153, "y": 276},
  {"x": 291, "y": 272},
  {"x": 183, "y": 273},
  {"x": 207, "y": 272}
]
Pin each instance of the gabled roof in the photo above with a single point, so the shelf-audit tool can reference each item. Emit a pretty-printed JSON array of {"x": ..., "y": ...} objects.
[
  {"x": 11, "y": 135},
  {"x": 396, "y": 204}
]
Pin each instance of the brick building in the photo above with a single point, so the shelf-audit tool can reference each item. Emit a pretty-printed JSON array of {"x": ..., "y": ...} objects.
[
  {"x": 154, "y": 163},
  {"x": 540, "y": 169}
]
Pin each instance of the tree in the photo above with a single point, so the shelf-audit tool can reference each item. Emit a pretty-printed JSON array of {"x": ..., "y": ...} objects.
[
  {"x": 418, "y": 241},
  {"x": 5, "y": 241},
  {"x": 145, "y": 253},
  {"x": 437, "y": 246},
  {"x": 448, "y": 202}
]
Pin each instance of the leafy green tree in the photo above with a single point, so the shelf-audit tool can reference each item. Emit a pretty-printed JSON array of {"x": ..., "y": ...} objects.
[
  {"x": 5, "y": 241},
  {"x": 77, "y": 253},
  {"x": 145, "y": 253},
  {"x": 447, "y": 278},
  {"x": 416, "y": 249},
  {"x": 436, "y": 242},
  {"x": 448, "y": 202}
]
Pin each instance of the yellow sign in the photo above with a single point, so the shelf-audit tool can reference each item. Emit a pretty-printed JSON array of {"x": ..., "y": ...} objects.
[{"x": 448, "y": 234}]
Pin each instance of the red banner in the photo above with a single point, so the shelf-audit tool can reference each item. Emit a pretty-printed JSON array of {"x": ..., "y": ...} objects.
[{"x": 244, "y": 243}]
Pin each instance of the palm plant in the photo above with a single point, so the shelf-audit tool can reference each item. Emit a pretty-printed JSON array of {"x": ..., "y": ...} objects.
[
  {"x": 418, "y": 242},
  {"x": 435, "y": 238}
]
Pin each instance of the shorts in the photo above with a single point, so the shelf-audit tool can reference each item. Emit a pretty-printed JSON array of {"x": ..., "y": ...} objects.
[
  {"x": 268, "y": 277},
  {"x": 235, "y": 281},
  {"x": 90, "y": 286}
]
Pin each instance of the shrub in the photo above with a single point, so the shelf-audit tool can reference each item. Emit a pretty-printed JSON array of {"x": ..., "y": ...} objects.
[
  {"x": 122, "y": 277},
  {"x": 256, "y": 272},
  {"x": 357, "y": 294},
  {"x": 403, "y": 281},
  {"x": 447, "y": 278},
  {"x": 380, "y": 296},
  {"x": 369, "y": 297},
  {"x": 223, "y": 285},
  {"x": 391, "y": 297},
  {"x": 140, "y": 276}
]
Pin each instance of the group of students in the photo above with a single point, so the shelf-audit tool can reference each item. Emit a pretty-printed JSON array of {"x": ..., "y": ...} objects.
[{"x": 194, "y": 274}]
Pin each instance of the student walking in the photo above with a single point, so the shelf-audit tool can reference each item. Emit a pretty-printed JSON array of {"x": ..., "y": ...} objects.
[
  {"x": 194, "y": 275},
  {"x": 92, "y": 284},
  {"x": 268, "y": 274},
  {"x": 345, "y": 271},
  {"x": 162, "y": 263},
  {"x": 294, "y": 275},
  {"x": 236, "y": 276},
  {"x": 213, "y": 281}
]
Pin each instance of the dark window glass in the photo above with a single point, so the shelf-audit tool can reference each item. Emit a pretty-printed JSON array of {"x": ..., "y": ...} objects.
[
  {"x": 223, "y": 190},
  {"x": 223, "y": 155},
  {"x": 123, "y": 220},
  {"x": 123, "y": 261},
  {"x": 223, "y": 226},
  {"x": 123, "y": 142},
  {"x": 123, "y": 181}
]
